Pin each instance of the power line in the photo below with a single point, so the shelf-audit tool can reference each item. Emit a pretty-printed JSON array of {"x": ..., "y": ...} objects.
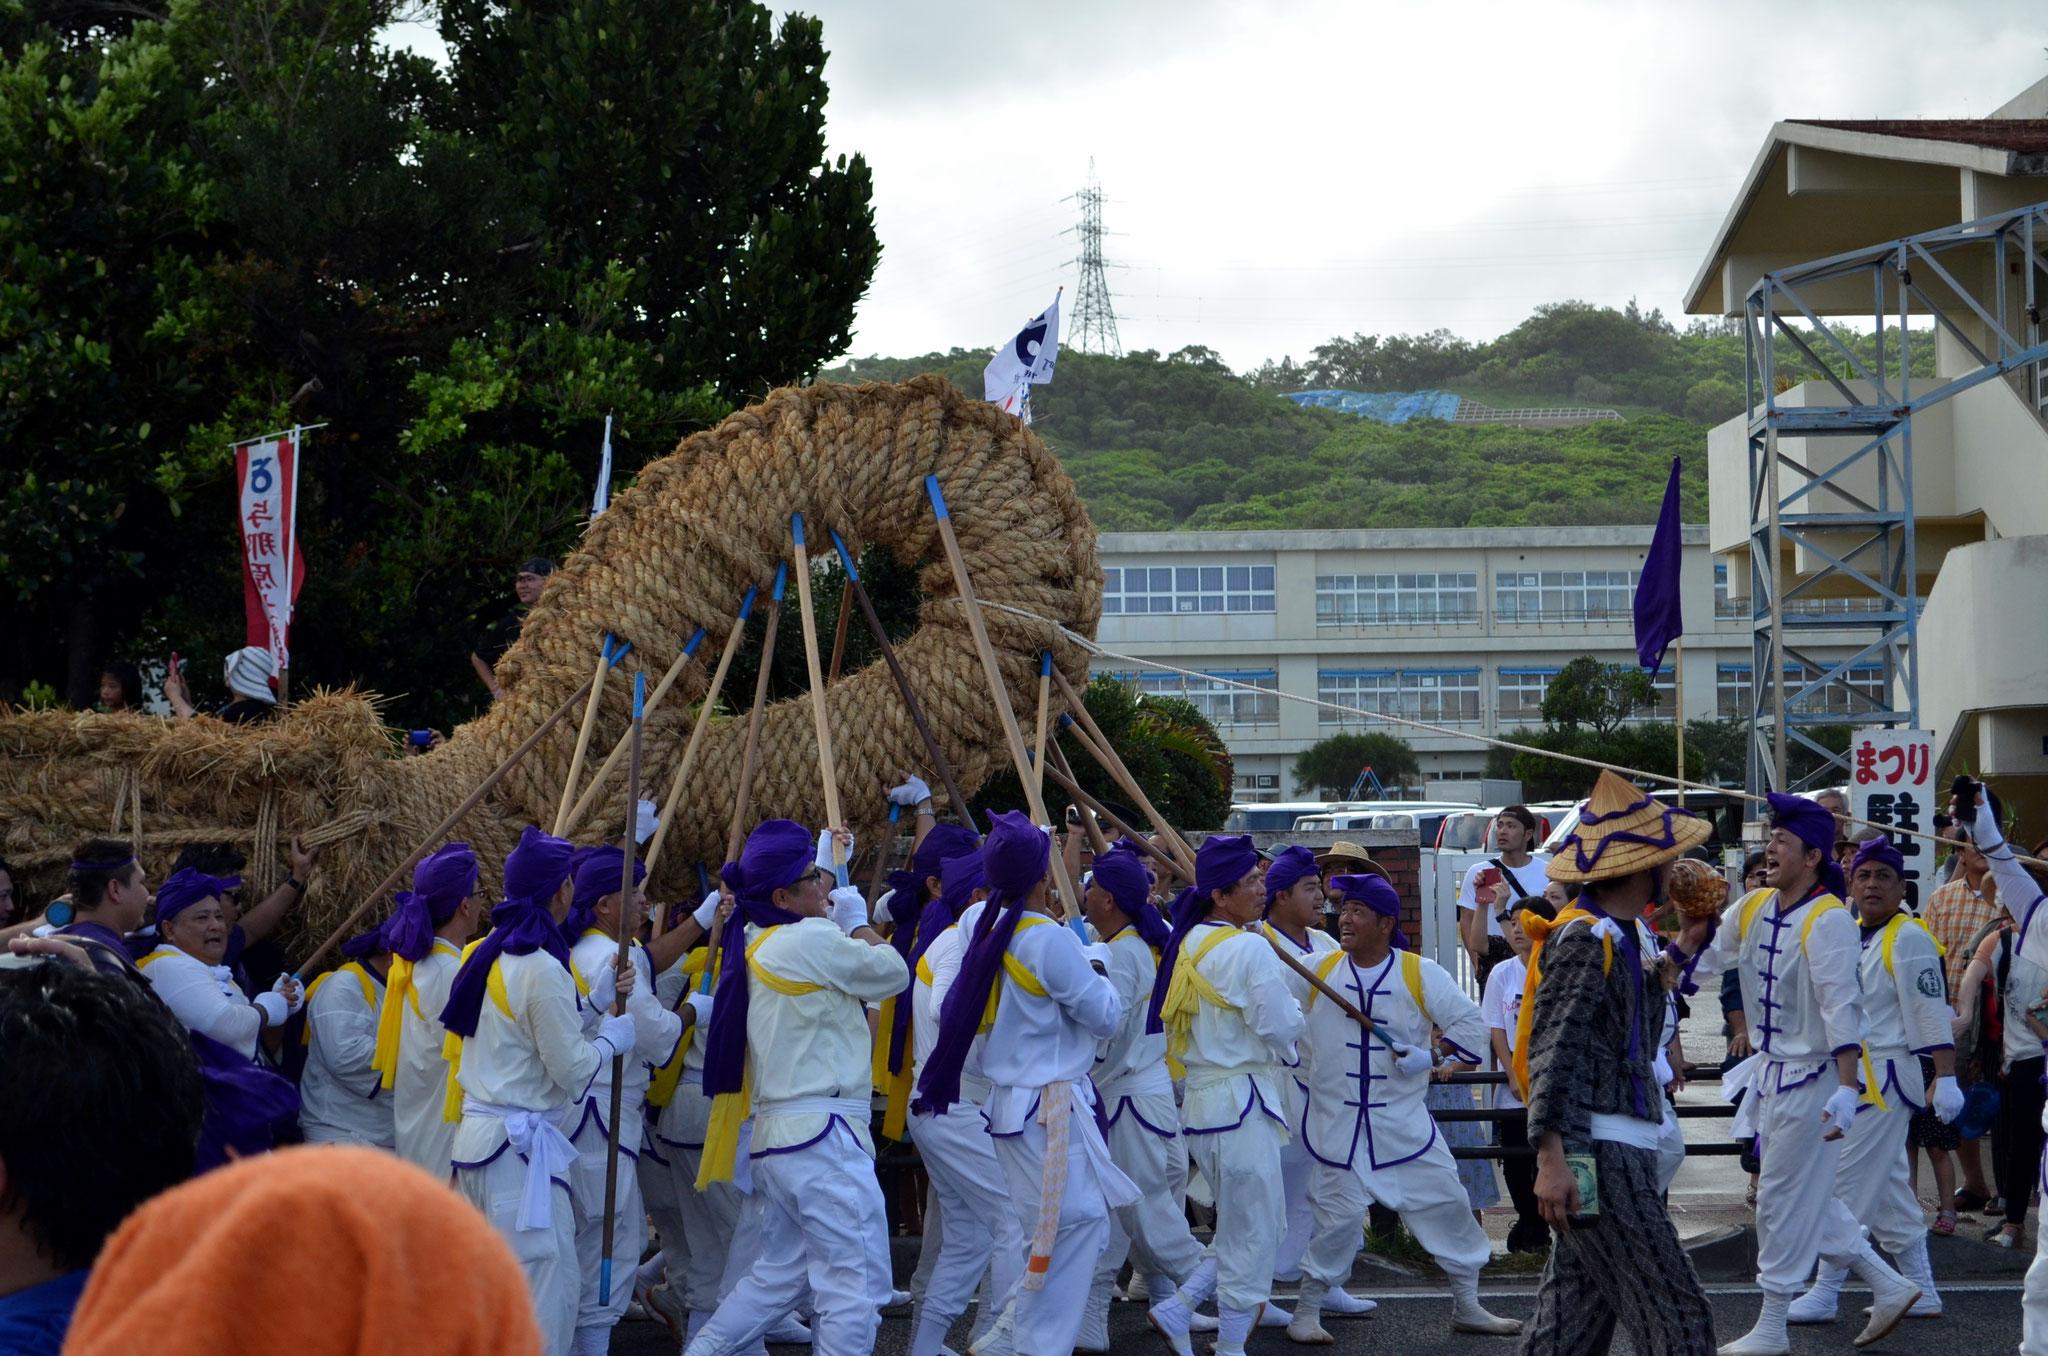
[{"x": 1094, "y": 327}]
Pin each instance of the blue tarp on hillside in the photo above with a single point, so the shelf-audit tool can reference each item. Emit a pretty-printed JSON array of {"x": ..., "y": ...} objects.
[{"x": 1389, "y": 407}]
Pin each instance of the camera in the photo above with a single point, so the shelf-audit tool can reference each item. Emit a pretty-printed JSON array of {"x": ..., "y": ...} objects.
[{"x": 420, "y": 737}]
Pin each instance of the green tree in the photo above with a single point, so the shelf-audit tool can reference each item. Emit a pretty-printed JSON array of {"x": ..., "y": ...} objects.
[
  {"x": 1171, "y": 749},
  {"x": 1329, "y": 767},
  {"x": 1596, "y": 695}
]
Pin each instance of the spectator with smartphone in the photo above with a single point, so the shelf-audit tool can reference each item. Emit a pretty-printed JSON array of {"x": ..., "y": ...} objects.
[
  {"x": 1515, "y": 831},
  {"x": 250, "y": 675}
]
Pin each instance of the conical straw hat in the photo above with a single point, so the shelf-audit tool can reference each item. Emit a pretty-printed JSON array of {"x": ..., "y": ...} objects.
[{"x": 1623, "y": 831}]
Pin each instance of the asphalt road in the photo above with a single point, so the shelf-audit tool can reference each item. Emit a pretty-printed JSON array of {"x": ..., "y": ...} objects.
[{"x": 1979, "y": 1320}]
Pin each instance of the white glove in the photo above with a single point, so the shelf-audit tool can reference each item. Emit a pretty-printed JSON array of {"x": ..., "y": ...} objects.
[
  {"x": 274, "y": 1008},
  {"x": 1983, "y": 826},
  {"x": 1948, "y": 1099},
  {"x": 911, "y": 794},
  {"x": 291, "y": 991},
  {"x": 707, "y": 911},
  {"x": 646, "y": 819},
  {"x": 849, "y": 909},
  {"x": 617, "y": 1032},
  {"x": 1841, "y": 1108},
  {"x": 1412, "y": 1059},
  {"x": 881, "y": 910},
  {"x": 605, "y": 991},
  {"x": 700, "y": 1004}
]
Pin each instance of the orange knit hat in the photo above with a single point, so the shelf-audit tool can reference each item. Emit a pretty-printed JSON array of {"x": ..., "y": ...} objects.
[{"x": 317, "y": 1251}]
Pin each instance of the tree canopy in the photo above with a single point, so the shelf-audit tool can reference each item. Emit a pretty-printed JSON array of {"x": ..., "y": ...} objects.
[{"x": 1330, "y": 767}]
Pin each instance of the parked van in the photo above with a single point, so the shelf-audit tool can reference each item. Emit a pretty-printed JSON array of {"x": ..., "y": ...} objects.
[{"x": 1425, "y": 817}]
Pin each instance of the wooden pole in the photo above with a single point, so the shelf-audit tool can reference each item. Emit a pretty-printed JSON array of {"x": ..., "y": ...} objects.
[
  {"x": 881, "y": 874},
  {"x": 675, "y": 786},
  {"x": 997, "y": 692},
  {"x": 839, "y": 632},
  {"x": 1678, "y": 673},
  {"x": 442, "y": 829},
  {"x": 1044, "y": 705},
  {"x": 612, "y": 759},
  {"x": 1322, "y": 987},
  {"x": 737, "y": 834},
  {"x": 605, "y": 660},
  {"x": 1063, "y": 777},
  {"x": 625, "y": 918},
  {"x": 1098, "y": 748},
  {"x": 910, "y": 702},
  {"x": 826, "y": 771}
]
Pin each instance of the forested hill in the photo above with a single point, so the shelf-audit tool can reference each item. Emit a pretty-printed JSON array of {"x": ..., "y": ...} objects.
[{"x": 1180, "y": 441}]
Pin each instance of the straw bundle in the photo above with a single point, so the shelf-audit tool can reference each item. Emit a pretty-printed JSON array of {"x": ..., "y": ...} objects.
[{"x": 672, "y": 553}]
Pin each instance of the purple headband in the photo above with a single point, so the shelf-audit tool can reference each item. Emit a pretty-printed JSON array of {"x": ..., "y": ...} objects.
[
  {"x": 1814, "y": 825},
  {"x": 1879, "y": 851},
  {"x": 521, "y": 925},
  {"x": 103, "y": 866},
  {"x": 441, "y": 881},
  {"x": 1290, "y": 867},
  {"x": 777, "y": 855},
  {"x": 1373, "y": 892},
  {"x": 1015, "y": 857},
  {"x": 186, "y": 888},
  {"x": 1219, "y": 864},
  {"x": 1122, "y": 873}
]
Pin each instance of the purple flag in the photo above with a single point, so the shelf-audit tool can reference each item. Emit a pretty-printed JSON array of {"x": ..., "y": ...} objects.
[{"x": 1659, "y": 618}]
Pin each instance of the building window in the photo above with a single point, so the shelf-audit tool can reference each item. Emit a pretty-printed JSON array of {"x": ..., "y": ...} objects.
[
  {"x": 1432, "y": 695},
  {"x": 1397, "y": 599},
  {"x": 1565, "y": 595},
  {"x": 1521, "y": 694},
  {"x": 1131, "y": 590},
  {"x": 1865, "y": 691},
  {"x": 1732, "y": 691},
  {"x": 1215, "y": 694}
]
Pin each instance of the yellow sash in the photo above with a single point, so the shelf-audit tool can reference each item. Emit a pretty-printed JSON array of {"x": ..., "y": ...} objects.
[
  {"x": 1886, "y": 939},
  {"x": 363, "y": 977},
  {"x": 1186, "y": 991},
  {"x": 1411, "y": 975},
  {"x": 1013, "y": 969},
  {"x": 729, "y": 1110},
  {"x": 1537, "y": 928},
  {"x": 399, "y": 993},
  {"x": 661, "y": 1089}
]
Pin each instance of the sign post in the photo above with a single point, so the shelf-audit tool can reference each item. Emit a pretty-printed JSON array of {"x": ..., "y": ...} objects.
[
  {"x": 267, "y": 477},
  {"x": 1891, "y": 782}
]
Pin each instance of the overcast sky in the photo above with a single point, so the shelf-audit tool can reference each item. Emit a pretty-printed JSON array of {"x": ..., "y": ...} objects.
[{"x": 1280, "y": 173}]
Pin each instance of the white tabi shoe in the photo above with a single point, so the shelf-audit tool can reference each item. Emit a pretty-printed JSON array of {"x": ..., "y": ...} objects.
[
  {"x": 1892, "y": 1295},
  {"x": 1173, "y": 1320},
  {"x": 667, "y": 1307},
  {"x": 1094, "y": 1334},
  {"x": 1204, "y": 1323},
  {"x": 1469, "y": 1315},
  {"x": 1273, "y": 1316},
  {"x": 787, "y": 1331},
  {"x": 999, "y": 1339},
  {"x": 1768, "y": 1337},
  {"x": 1914, "y": 1266},
  {"x": 1820, "y": 1304},
  {"x": 1307, "y": 1326},
  {"x": 1340, "y": 1303}
]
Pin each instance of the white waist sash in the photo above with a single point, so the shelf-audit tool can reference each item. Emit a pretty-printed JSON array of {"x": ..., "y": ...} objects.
[{"x": 536, "y": 1137}]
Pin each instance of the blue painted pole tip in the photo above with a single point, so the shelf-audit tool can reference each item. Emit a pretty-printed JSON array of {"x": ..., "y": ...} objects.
[
  {"x": 747, "y": 603},
  {"x": 604, "y": 1280},
  {"x": 936, "y": 495},
  {"x": 845, "y": 556},
  {"x": 690, "y": 646},
  {"x": 796, "y": 525},
  {"x": 1045, "y": 664},
  {"x": 781, "y": 578},
  {"x": 640, "y": 694}
]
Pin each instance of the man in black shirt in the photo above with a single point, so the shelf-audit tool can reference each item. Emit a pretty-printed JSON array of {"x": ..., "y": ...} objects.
[{"x": 491, "y": 647}]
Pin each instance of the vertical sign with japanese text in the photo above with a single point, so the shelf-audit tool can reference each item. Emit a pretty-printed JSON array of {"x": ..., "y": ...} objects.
[
  {"x": 272, "y": 568},
  {"x": 1891, "y": 782}
]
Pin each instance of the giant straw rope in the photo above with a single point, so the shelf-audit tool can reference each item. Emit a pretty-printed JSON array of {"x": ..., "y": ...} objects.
[{"x": 674, "y": 552}]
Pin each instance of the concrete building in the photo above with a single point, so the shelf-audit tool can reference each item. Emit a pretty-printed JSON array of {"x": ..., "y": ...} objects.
[
  {"x": 1979, "y": 458},
  {"x": 1462, "y": 628}
]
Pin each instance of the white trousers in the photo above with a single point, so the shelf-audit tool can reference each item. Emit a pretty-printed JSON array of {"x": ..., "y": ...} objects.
[
  {"x": 707, "y": 1218},
  {"x": 1671, "y": 1149},
  {"x": 2034, "y": 1299},
  {"x": 1873, "y": 1180},
  {"x": 1048, "y": 1320},
  {"x": 1799, "y": 1219},
  {"x": 1242, "y": 1166},
  {"x": 823, "y": 1227},
  {"x": 658, "y": 1195},
  {"x": 978, "y": 1224},
  {"x": 1296, "y": 1170},
  {"x": 1337, "y": 1201},
  {"x": 1431, "y": 1201},
  {"x": 547, "y": 1256},
  {"x": 629, "y": 1230},
  {"x": 1154, "y": 1232}
]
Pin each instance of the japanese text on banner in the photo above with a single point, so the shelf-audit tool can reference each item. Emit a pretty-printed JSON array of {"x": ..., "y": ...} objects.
[
  {"x": 272, "y": 568},
  {"x": 1891, "y": 783}
]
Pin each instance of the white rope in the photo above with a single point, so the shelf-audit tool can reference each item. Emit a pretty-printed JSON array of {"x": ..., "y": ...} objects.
[{"x": 1635, "y": 774}]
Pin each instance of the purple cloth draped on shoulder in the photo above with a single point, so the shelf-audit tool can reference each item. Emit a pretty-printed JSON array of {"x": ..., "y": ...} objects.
[
  {"x": 1814, "y": 825},
  {"x": 1015, "y": 858},
  {"x": 246, "y": 1104},
  {"x": 441, "y": 881},
  {"x": 521, "y": 925},
  {"x": 776, "y": 856},
  {"x": 1219, "y": 864},
  {"x": 1374, "y": 892},
  {"x": 959, "y": 877}
]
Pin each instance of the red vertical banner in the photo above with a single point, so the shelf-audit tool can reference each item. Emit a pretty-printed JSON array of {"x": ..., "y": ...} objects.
[{"x": 266, "y": 469}]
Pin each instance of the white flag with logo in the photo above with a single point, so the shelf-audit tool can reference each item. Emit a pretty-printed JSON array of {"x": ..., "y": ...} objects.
[
  {"x": 1025, "y": 361},
  {"x": 604, "y": 473}
]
